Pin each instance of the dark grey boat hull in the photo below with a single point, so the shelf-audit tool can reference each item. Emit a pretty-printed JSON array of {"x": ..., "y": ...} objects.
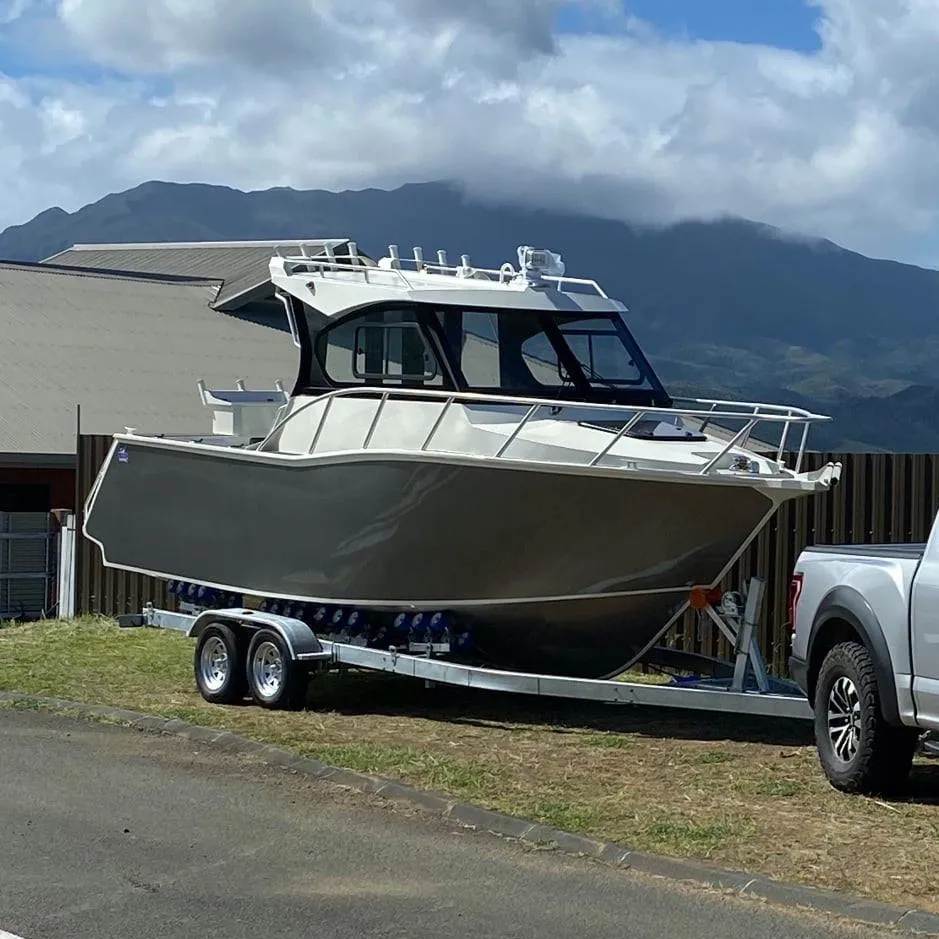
[{"x": 560, "y": 572}]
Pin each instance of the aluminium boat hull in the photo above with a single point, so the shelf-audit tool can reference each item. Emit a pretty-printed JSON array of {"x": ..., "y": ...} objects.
[{"x": 559, "y": 569}]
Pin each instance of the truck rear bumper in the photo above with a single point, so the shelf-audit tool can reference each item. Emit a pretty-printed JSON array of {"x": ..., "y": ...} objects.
[{"x": 799, "y": 671}]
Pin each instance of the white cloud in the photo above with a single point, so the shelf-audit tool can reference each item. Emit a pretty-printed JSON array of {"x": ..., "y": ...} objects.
[
  {"x": 843, "y": 142},
  {"x": 13, "y": 9}
]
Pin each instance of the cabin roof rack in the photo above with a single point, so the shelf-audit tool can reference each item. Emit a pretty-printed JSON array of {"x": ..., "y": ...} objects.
[{"x": 537, "y": 267}]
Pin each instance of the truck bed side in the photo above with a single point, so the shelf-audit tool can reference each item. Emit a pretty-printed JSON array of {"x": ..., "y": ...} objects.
[
  {"x": 883, "y": 551},
  {"x": 860, "y": 593}
]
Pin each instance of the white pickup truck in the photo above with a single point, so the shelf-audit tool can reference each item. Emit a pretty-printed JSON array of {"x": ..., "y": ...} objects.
[{"x": 865, "y": 650}]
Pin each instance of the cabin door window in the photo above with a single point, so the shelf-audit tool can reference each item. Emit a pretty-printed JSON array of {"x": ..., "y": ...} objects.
[
  {"x": 394, "y": 352},
  {"x": 380, "y": 347}
]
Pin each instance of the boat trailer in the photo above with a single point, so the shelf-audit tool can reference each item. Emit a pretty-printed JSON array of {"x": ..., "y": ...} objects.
[{"x": 272, "y": 654}]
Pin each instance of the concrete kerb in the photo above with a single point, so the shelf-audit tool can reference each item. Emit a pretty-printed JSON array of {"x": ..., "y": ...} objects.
[{"x": 871, "y": 912}]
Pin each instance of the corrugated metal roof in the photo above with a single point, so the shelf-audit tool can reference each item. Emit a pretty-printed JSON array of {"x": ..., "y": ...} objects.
[
  {"x": 242, "y": 266},
  {"x": 128, "y": 350}
]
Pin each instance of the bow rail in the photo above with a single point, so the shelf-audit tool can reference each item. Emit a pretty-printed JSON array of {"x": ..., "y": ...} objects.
[{"x": 707, "y": 411}]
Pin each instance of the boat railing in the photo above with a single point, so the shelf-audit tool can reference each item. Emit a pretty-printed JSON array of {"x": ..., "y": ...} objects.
[
  {"x": 408, "y": 272},
  {"x": 705, "y": 410}
]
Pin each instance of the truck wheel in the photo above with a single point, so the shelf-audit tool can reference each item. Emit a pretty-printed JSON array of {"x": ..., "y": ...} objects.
[
  {"x": 275, "y": 680},
  {"x": 218, "y": 664},
  {"x": 858, "y": 750}
]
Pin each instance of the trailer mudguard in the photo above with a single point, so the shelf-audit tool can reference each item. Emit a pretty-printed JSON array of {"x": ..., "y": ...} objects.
[{"x": 301, "y": 641}]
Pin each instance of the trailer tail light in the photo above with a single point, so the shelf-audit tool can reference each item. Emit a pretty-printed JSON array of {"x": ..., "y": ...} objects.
[
  {"x": 795, "y": 590},
  {"x": 702, "y": 597}
]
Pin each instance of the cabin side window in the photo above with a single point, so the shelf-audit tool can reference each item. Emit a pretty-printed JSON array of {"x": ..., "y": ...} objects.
[
  {"x": 541, "y": 358},
  {"x": 479, "y": 348},
  {"x": 497, "y": 351},
  {"x": 379, "y": 347}
]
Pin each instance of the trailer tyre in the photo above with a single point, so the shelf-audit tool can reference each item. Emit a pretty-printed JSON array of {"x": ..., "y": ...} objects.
[
  {"x": 858, "y": 750},
  {"x": 218, "y": 664},
  {"x": 275, "y": 679}
]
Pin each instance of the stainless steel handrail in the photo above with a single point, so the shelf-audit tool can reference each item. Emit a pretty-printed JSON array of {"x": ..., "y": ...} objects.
[
  {"x": 773, "y": 413},
  {"x": 433, "y": 431},
  {"x": 753, "y": 413},
  {"x": 801, "y": 454},
  {"x": 625, "y": 429},
  {"x": 319, "y": 429},
  {"x": 782, "y": 442},
  {"x": 532, "y": 411},
  {"x": 321, "y": 267},
  {"x": 733, "y": 442},
  {"x": 322, "y": 264},
  {"x": 375, "y": 419}
]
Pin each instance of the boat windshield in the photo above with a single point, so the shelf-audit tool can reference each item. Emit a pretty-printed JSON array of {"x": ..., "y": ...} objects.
[
  {"x": 556, "y": 354},
  {"x": 548, "y": 354}
]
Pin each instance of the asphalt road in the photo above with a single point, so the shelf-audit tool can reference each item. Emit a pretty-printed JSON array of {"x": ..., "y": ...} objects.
[{"x": 108, "y": 833}]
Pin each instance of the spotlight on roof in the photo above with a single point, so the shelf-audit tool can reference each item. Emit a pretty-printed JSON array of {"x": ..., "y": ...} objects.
[{"x": 536, "y": 263}]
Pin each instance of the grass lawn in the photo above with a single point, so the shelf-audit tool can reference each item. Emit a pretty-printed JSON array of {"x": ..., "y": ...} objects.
[{"x": 740, "y": 792}]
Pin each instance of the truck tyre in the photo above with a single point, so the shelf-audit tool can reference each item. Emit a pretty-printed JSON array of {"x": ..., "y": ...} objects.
[
  {"x": 218, "y": 665},
  {"x": 275, "y": 679},
  {"x": 858, "y": 750}
]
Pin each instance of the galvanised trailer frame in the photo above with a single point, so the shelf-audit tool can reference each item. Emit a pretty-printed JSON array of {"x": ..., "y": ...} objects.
[{"x": 241, "y": 651}]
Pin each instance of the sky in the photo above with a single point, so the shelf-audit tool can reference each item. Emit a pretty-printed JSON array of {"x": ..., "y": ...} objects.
[{"x": 820, "y": 117}]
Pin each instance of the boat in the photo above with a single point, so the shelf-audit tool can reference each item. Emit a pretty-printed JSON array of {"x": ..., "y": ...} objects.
[{"x": 489, "y": 447}]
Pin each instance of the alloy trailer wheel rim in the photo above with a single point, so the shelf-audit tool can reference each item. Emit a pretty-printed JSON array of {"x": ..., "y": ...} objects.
[
  {"x": 214, "y": 664},
  {"x": 844, "y": 719},
  {"x": 267, "y": 668}
]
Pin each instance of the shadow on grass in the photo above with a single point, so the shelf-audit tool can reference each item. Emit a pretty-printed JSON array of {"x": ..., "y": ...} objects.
[
  {"x": 360, "y": 694},
  {"x": 923, "y": 787}
]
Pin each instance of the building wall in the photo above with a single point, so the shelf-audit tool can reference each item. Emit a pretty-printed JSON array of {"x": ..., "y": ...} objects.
[{"x": 37, "y": 489}]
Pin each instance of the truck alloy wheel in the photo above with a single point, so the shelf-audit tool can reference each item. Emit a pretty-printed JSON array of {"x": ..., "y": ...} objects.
[
  {"x": 844, "y": 719},
  {"x": 858, "y": 750}
]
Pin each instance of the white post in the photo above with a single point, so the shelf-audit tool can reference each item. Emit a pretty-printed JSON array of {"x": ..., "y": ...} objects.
[{"x": 66, "y": 574}]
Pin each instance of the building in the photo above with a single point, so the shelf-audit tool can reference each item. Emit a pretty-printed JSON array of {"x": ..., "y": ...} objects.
[
  {"x": 102, "y": 337},
  {"x": 240, "y": 269}
]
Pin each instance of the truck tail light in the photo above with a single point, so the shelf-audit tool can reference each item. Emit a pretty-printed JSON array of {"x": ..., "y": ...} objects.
[{"x": 795, "y": 589}]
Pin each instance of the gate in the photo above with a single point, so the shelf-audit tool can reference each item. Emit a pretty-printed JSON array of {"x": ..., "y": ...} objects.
[{"x": 27, "y": 567}]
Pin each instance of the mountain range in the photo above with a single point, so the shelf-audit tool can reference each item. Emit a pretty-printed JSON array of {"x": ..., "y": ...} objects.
[{"x": 729, "y": 308}]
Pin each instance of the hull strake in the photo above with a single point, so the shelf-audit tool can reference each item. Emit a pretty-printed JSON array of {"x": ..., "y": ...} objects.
[{"x": 498, "y": 543}]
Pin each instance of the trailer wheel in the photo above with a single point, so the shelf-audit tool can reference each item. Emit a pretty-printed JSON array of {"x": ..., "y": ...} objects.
[
  {"x": 218, "y": 664},
  {"x": 275, "y": 679},
  {"x": 858, "y": 750}
]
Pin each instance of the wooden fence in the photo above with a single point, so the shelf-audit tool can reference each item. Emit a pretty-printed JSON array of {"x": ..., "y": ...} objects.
[
  {"x": 882, "y": 498},
  {"x": 100, "y": 589}
]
